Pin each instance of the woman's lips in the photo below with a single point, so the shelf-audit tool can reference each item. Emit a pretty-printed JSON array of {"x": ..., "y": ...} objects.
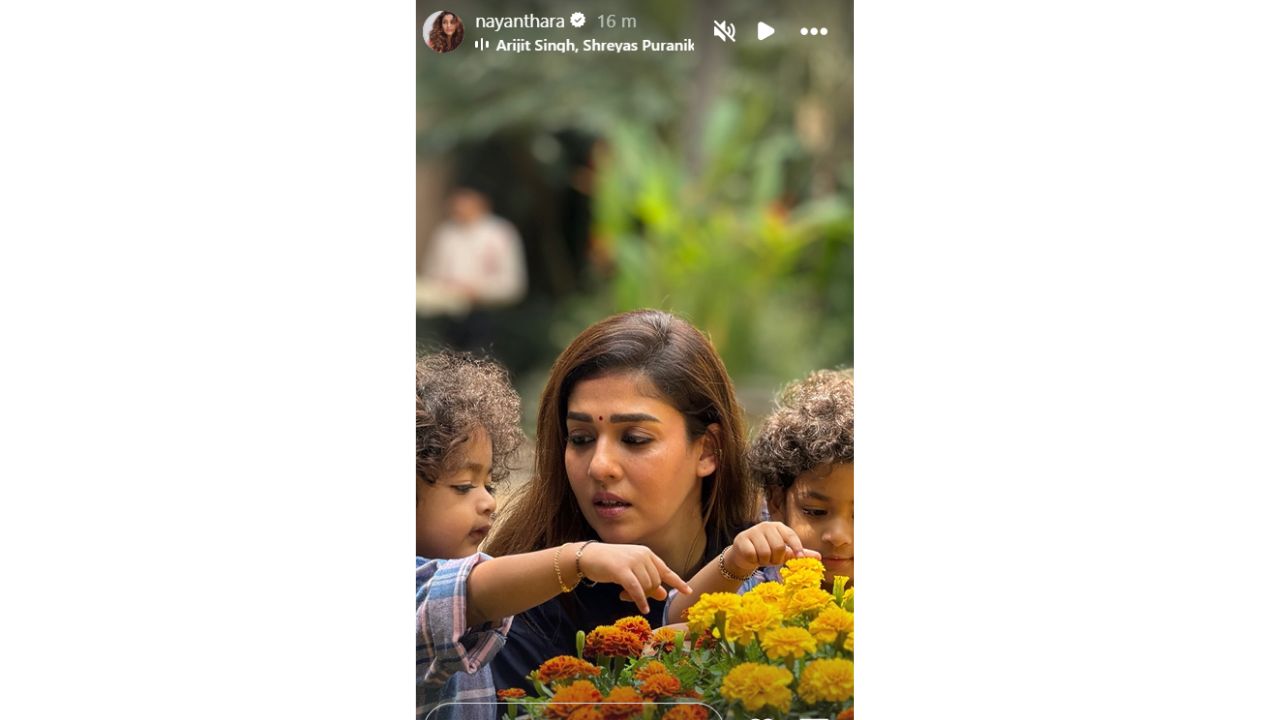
[{"x": 608, "y": 505}]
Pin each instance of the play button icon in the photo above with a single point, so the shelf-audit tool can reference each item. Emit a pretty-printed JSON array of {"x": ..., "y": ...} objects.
[{"x": 763, "y": 30}]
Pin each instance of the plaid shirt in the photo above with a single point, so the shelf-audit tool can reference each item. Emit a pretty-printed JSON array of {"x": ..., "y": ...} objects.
[{"x": 453, "y": 659}]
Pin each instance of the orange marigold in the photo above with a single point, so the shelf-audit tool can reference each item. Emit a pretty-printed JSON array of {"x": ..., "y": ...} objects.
[
  {"x": 622, "y": 703},
  {"x": 664, "y": 640},
  {"x": 649, "y": 669},
  {"x": 705, "y": 640},
  {"x": 660, "y": 685},
  {"x": 586, "y": 712},
  {"x": 511, "y": 693},
  {"x": 610, "y": 641},
  {"x": 686, "y": 711},
  {"x": 637, "y": 625},
  {"x": 845, "y": 714},
  {"x": 572, "y": 697},
  {"x": 566, "y": 667}
]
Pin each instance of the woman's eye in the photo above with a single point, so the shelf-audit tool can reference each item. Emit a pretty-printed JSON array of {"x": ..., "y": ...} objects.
[
  {"x": 579, "y": 439},
  {"x": 463, "y": 489},
  {"x": 635, "y": 439},
  {"x": 813, "y": 512}
]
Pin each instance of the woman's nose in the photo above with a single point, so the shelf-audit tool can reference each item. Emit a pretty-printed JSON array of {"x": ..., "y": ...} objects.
[{"x": 603, "y": 465}]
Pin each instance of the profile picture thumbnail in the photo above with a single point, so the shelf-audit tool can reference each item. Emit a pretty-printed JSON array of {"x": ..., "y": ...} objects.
[{"x": 442, "y": 31}]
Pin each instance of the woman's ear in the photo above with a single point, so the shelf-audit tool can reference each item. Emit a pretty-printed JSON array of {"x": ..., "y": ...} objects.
[{"x": 709, "y": 458}]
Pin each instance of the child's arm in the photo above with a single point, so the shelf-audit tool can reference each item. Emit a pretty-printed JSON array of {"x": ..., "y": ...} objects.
[
  {"x": 766, "y": 543},
  {"x": 504, "y": 586}
]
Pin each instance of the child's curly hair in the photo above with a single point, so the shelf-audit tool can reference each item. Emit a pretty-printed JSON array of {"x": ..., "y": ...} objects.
[
  {"x": 811, "y": 425},
  {"x": 458, "y": 392}
]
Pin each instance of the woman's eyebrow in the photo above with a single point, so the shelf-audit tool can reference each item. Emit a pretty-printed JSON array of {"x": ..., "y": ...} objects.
[{"x": 614, "y": 418}]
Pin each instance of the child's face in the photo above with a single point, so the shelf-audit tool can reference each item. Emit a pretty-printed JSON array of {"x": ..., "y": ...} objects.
[
  {"x": 819, "y": 507},
  {"x": 634, "y": 472},
  {"x": 455, "y": 513}
]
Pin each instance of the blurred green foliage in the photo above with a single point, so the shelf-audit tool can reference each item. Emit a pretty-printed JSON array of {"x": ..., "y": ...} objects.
[{"x": 724, "y": 190}]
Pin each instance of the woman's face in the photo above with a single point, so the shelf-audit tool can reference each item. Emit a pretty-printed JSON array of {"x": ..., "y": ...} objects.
[
  {"x": 634, "y": 472},
  {"x": 448, "y": 23}
]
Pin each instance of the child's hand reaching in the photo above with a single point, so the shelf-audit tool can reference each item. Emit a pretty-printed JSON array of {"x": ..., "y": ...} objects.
[
  {"x": 636, "y": 568},
  {"x": 766, "y": 543}
]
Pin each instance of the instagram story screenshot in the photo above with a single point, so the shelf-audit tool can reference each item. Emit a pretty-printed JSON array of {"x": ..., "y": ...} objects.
[{"x": 634, "y": 313}]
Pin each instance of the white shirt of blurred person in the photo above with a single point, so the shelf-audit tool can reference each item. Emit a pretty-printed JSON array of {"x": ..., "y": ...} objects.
[{"x": 477, "y": 255}]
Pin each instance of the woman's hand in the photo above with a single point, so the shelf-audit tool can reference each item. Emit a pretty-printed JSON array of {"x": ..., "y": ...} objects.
[
  {"x": 766, "y": 543},
  {"x": 636, "y": 568}
]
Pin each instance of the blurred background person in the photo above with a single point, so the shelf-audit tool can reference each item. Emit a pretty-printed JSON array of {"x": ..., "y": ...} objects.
[{"x": 474, "y": 262}]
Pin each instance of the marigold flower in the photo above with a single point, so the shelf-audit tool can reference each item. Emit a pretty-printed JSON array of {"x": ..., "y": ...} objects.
[
  {"x": 566, "y": 667},
  {"x": 807, "y": 600},
  {"x": 754, "y": 617},
  {"x": 573, "y": 697},
  {"x": 788, "y": 643},
  {"x": 622, "y": 703},
  {"x": 831, "y": 621},
  {"x": 660, "y": 685},
  {"x": 686, "y": 711},
  {"x": 705, "y": 640},
  {"x": 511, "y": 693},
  {"x": 845, "y": 714},
  {"x": 756, "y": 685},
  {"x": 637, "y": 625},
  {"x": 663, "y": 640},
  {"x": 829, "y": 680},
  {"x": 586, "y": 712},
  {"x": 702, "y": 616},
  {"x": 649, "y": 669},
  {"x": 610, "y": 641},
  {"x": 771, "y": 592},
  {"x": 803, "y": 573}
]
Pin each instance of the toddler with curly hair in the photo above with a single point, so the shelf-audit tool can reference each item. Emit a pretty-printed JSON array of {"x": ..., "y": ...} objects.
[
  {"x": 468, "y": 432},
  {"x": 802, "y": 458}
]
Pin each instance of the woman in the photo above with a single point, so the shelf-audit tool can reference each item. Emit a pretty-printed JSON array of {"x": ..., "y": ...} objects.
[
  {"x": 446, "y": 33},
  {"x": 639, "y": 441}
]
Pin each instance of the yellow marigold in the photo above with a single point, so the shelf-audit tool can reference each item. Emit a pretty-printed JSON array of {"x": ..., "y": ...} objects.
[
  {"x": 586, "y": 712},
  {"x": 566, "y": 667},
  {"x": 803, "y": 573},
  {"x": 756, "y": 685},
  {"x": 686, "y": 711},
  {"x": 570, "y": 698},
  {"x": 845, "y": 714},
  {"x": 636, "y": 625},
  {"x": 771, "y": 592},
  {"x": 511, "y": 693},
  {"x": 848, "y": 642},
  {"x": 826, "y": 680},
  {"x": 663, "y": 640},
  {"x": 807, "y": 600},
  {"x": 622, "y": 703},
  {"x": 831, "y": 621},
  {"x": 788, "y": 643},
  {"x": 660, "y": 685},
  {"x": 610, "y": 641},
  {"x": 702, "y": 615},
  {"x": 754, "y": 617}
]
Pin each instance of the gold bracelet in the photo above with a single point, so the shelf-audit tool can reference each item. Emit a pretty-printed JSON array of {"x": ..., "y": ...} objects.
[
  {"x": 728, "y": 575},
  {"x": 577, "y": 564},
  {"x": 559, "y": 578}
]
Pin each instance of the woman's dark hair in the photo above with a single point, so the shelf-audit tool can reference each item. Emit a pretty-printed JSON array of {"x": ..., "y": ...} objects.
[
  {"x": 811, "y": 425},
  {"x": 684, "y": 368},
  {"x": 440, "y": 42},
  {"x": 458, "y": 393}
]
